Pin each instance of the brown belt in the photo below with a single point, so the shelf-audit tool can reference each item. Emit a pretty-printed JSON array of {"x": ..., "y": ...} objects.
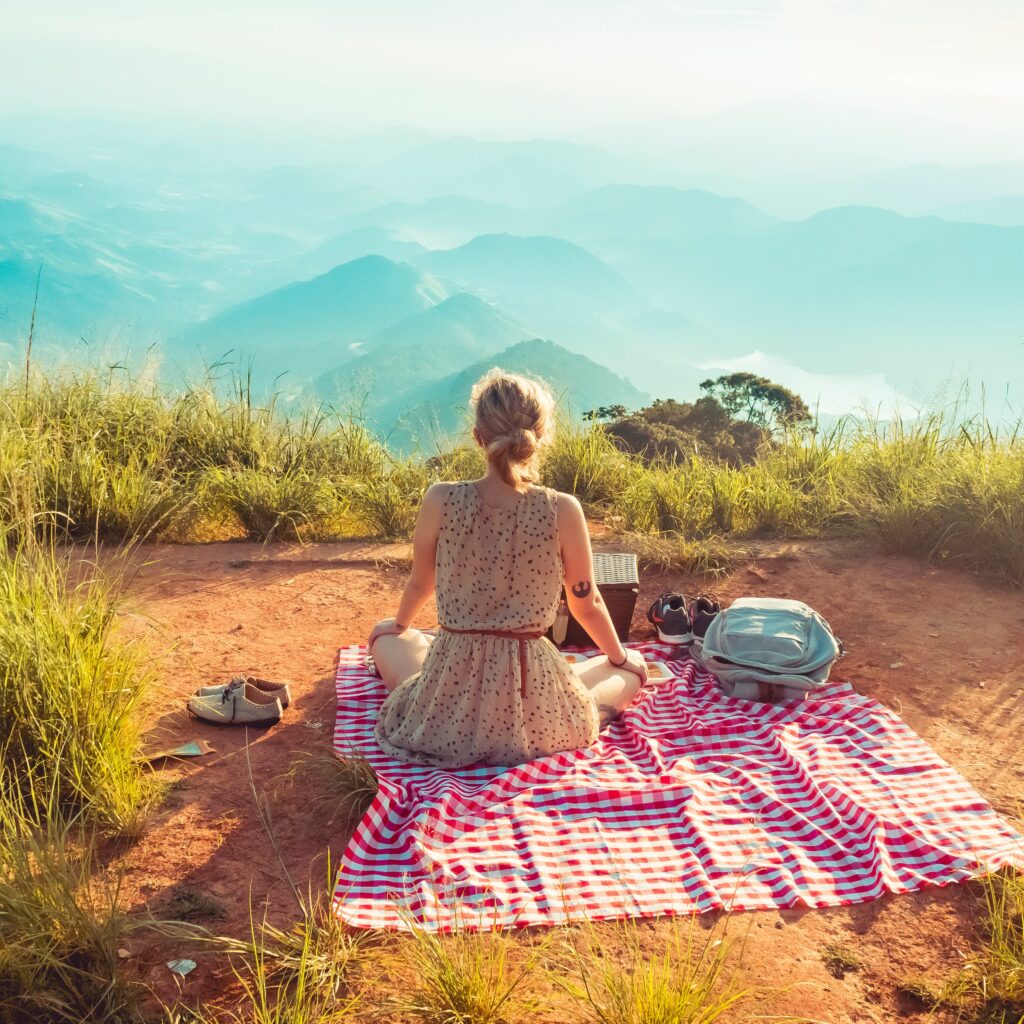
[{"x": 506, "y": 634}]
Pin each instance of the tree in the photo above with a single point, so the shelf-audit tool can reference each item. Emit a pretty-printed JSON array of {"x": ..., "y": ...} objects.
[
  {"x": 673, "y": 431},
  {"x": 606, "y": 412},
  {"x": 758, "y": 400}
]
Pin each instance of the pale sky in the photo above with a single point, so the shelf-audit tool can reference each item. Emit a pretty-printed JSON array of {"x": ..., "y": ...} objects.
[{"x": 910, "y": 79}]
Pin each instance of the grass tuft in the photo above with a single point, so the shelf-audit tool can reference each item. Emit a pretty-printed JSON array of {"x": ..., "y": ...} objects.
[
  {"x": 468, "y": 977},
  {"x": 84, "y": 455},
  {"x": 341, "y": 787},
  {"x": 68, "y": 692},
  {"x": 840, "y": 960},
  {"x": 997, "y": 974},
  {"x": 686, "y": 982},
  {"x": 61, "y": 924}
]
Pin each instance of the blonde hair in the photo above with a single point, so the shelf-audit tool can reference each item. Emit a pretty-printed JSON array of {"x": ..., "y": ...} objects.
[{"x": 515, "y": 417}]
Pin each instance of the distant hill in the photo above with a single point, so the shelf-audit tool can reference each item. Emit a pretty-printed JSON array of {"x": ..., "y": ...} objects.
[
  {"x": 920, "y": 188},
  {"x": 88, "y": 285},
  {"x": 438, "y": 409},
  {"x": 1005, "y": 211},
  {"x": 636, "y": 212},
  {"x": 423, "y": 347},
  {"x": 351, "y": 245},
  {"x": 539, "y": 278},
  {"x": 308, "y": 326},
  {"x": 444, "y": 221},
  {"x": 851, "y": 289}
]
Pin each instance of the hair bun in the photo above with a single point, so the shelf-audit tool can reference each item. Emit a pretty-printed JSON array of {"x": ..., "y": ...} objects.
[
  {"x": 520, "y": 443},
  {"x": 514, "y": 417},
  {"x": 524, "y": 442}
]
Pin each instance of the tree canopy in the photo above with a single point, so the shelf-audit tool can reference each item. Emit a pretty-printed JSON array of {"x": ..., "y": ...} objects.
[{"x": 757, "y": 400}]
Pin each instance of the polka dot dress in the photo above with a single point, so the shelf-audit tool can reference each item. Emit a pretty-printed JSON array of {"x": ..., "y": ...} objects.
[{"x": 496, "y": 569}]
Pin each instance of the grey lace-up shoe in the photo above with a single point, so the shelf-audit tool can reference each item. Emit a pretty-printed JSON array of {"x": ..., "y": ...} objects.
[
  {"x": 279, "y": 690},
  {"x": 237, "y": 705}
]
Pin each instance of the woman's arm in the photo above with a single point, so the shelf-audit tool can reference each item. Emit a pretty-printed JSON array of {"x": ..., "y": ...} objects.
[
  {"x": 582, "y": 595},
  {"x": 420, "y": 585}
]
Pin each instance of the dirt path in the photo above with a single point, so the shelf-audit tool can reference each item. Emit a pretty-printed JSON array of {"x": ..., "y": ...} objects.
[{"x": 943, "y": 649}]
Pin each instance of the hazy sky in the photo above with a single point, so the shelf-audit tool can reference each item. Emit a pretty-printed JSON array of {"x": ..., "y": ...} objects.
[{"x": 890, "y": 81}]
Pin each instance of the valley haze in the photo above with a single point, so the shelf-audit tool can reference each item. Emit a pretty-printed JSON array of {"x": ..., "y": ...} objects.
[{"x": 364, "y": 206}]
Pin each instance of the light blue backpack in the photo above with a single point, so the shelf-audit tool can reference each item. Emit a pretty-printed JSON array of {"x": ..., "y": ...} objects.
[{"x": 768, "y": 640}]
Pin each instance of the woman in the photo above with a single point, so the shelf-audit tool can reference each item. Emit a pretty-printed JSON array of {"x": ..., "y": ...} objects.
[{"x": 490, "y": 688}]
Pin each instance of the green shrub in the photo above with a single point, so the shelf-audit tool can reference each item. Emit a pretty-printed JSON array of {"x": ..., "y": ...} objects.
[
  {"x": 270, "y": 505},
  {"x": 997, "y": 973},
  {"x": 468, "y": 977},
  {"x": 667, "y": 500},
  {"x": 85, "y": 455}
]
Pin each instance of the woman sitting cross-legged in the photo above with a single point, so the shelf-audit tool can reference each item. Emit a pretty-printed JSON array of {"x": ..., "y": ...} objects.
[{"x": 490, "y": 688}]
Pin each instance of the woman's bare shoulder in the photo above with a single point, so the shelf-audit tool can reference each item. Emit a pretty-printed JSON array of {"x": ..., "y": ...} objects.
[
  {"x": 438, "y": 491},
  {"x": 568, "y": 507}
]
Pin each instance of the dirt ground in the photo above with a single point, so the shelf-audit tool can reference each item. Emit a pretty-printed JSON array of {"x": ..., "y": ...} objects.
[{"x": 943, "y": 649}]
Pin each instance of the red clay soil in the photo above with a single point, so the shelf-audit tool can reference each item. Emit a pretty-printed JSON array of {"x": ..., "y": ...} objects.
[{"x": 943, "y": 649}]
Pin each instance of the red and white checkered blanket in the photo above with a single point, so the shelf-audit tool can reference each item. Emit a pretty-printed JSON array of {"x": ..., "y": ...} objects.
[{"x": 691, "y": 801}]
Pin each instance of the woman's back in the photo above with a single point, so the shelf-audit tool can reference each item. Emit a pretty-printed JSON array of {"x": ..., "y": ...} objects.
[
  {"x": 498, "y": 568},
  {"x": 490, "y": 687}
]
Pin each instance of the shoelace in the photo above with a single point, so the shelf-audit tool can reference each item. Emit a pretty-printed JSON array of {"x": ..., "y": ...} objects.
[{"x": 235, "y": 684}]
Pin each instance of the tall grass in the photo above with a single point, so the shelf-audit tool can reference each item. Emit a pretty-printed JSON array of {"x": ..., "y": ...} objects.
[
  {"x": 997, "y": 974},
  {"x": 61, "y": 924},
  {"x": 341, "y": 788},
  {"x": 304, "y": 974},
  {"x": 69, "y": 777},
  {"x": 86, "y": 454},
  {"x": 584, "y": 462},
  {"x": 68, "y": 690}
]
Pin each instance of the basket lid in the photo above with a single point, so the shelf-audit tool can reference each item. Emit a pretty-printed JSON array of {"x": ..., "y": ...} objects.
[{"x": 615, "y": 567}]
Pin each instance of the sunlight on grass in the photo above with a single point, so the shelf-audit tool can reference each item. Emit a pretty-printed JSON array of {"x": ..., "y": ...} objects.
[
  {"x": 468, "y": 977},
  {"x": 85, "y": 455},
  {"x": 301, "y": 975},
  {"x": 385, "y": 505},
  {"x": 583, "y": 461},
  {"x": 61, "y": 924},
  {"x": 68, "y": 691},
  {"x": 998, "y": 973},
  {"x": 711, "y": 557},
  {"x": 684, "y": 980}
]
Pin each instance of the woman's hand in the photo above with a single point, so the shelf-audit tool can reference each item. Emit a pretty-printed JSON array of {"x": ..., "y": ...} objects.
[
  {"x": 634, "y": 663},
  {"x": 386, "y": 627}
]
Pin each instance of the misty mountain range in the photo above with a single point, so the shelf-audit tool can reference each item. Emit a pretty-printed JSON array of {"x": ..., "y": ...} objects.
[{"x": 388, "y": 279}]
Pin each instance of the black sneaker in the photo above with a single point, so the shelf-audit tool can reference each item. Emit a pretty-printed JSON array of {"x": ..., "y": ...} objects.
[
  {"x": 669, "y": 617},
  {"x": 702, "y": 610}
]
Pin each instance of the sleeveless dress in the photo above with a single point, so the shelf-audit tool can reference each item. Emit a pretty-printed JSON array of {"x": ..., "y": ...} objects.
[{"x": 485, "y": 699}]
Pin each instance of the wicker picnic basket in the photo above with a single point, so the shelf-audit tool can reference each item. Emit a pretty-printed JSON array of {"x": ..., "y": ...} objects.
[{"x": 617, "y": 578}]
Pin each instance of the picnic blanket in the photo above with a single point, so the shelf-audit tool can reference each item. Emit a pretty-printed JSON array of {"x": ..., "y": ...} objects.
[{"x": 689, "y": 802}]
